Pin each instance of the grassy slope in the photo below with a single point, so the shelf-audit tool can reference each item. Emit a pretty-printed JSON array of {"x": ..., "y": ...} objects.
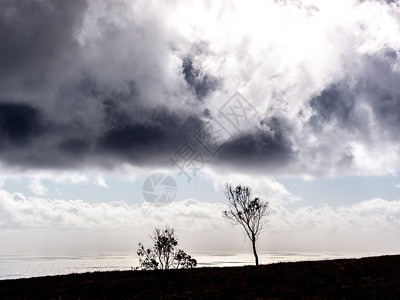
[{"x": 375, "y": 277}]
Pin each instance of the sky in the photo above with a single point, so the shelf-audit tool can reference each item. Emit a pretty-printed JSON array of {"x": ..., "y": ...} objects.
[{"x": 120, "y": 116}]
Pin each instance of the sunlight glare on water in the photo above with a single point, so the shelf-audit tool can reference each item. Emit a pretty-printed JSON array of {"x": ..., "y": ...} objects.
[{"x": 24, "y": 266}]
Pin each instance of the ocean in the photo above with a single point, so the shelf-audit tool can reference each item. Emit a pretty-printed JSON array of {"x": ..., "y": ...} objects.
[{"x": 25, "y": 266}]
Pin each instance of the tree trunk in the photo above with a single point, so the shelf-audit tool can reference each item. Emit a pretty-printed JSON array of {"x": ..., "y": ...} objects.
[{"x": 253, "y": 241}]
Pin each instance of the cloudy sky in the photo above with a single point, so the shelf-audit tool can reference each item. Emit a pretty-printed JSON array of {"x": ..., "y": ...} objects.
[{"x": 300, "y": 100}]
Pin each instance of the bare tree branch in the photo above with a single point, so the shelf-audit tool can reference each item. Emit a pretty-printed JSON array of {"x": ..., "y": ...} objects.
[{"x": 246, "y": 212}]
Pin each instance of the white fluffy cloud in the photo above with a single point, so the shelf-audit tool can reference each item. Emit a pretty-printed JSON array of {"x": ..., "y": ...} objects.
[
  {"x": 36, "y": 187},
  {"x": 99, "y": 181},
  {"x": 374, "y": 214},
  {"x": 18, "y": 211},
  {"x": 265, "y": 187}
]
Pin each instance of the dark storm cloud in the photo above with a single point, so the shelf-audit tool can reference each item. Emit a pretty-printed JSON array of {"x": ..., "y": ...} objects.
[
  {"x": 67, "y": 112},
  {"x": 376, "y": 88},
  {"x": 350, "y": 114},
  {"x": 203, "y": 84},
  {"x": 142, "y": 143},
  {"x": 334, "y": 104},
  {"x": 35, "y": 35},
  {"x": 381, "y": 89},
  {"x": 74, "y": 146},
  {"x": 267, "y": 145},
  {"x": 87, "y": 84},
  {"x": 85, "y": 120},
  {"x": 19, "y": 123},
  {"x": 58, "y": 146}
]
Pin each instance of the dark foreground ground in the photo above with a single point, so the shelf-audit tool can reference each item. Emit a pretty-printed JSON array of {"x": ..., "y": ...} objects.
[{"x": 366, "y": 278}]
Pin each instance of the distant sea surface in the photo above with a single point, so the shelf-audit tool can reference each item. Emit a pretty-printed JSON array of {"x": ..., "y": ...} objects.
[{"x": 25, "y": 266}]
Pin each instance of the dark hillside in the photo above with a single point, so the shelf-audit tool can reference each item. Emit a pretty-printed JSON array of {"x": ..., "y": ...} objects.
[{"x": 366, "y": 278}]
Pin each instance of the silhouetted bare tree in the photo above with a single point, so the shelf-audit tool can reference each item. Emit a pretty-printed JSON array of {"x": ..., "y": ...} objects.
[
  {"x": 247, "y": 212},
  {"x": 163, "y": 254}
]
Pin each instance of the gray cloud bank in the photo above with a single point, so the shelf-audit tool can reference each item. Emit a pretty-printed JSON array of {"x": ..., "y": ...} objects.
[{"x": 103, "y": 83}]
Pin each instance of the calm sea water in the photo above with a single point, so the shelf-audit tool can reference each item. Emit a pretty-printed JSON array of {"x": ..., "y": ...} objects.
[{"x": 23, "y": 266}]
